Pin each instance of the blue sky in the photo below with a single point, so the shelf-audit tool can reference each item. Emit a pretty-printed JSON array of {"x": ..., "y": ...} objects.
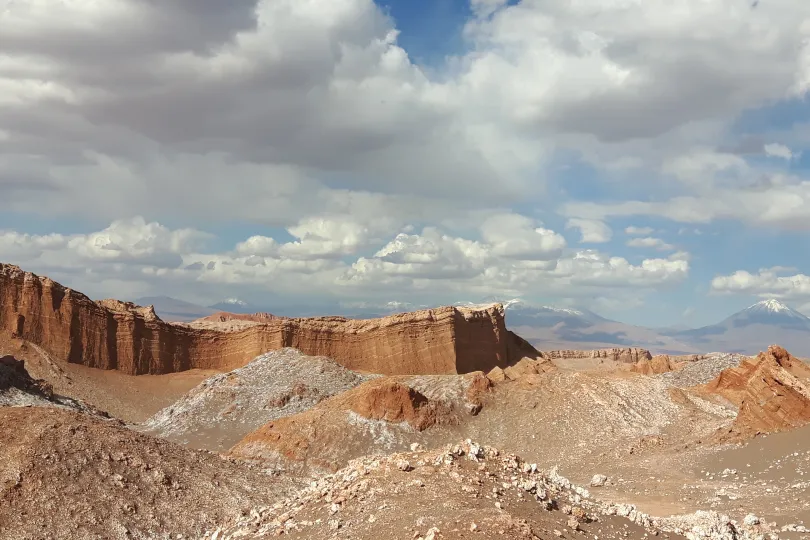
[{"x": 428, "y": 152}]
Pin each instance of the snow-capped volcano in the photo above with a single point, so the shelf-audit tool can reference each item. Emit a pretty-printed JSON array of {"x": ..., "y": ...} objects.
[{"x": 771, "y": 312}]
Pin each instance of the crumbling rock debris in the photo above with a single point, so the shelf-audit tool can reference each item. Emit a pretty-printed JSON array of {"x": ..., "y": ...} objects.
[
  {"x": 598, "y": 480},
  {"x": 372, "y": 482},
  {"x": 66, "y": 475}
]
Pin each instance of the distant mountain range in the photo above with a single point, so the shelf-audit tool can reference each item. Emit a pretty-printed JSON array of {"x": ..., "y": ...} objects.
[{"x": 546, "y": 327}]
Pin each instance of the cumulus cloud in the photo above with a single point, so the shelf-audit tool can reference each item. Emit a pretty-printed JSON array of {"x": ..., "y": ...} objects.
[
  {"x": 638, "y": 231},
  {"x": 311, "y": 117},
  {"x": 778, "y": 150},
  {"x": 285, "y": 98},
  {"x": 766, "y": 283},
  {"x": 592, "y": 231},
  {"x": 516, "y": 236},
  {"x": 650, "y": 242},
  {"x": 430, "y": 267}
]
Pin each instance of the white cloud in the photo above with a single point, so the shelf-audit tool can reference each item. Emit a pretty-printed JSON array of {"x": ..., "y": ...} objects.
[
  {"x": 597, "y": 269},
  {"x": 650, "y": 242},
  {"x": 331, "y": 237},
  {"x": 516, "y": 236},
  {"x": 287, "y": 99},
  {"x": 766, "y": 283},
  {"x": 752, "y": 196},
  {"x": 778, "y": 150},
  {"x": 260, "y": 246},
  {"x": 137, "y": 242},
  {"x": 311, "y": 117},
  {"x": 592, "y": 231},
  {"x": 430, "y": 267},
  {"x": 638, "y": 231}
]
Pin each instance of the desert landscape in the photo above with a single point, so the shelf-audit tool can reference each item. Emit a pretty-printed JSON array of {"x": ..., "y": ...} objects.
[
  {"x": 404, "y": 269},
  {"x": 440, "y": 423}
]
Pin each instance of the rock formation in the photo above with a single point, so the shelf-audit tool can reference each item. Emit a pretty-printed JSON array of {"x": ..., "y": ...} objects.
[
  {"x": 221, "y": 410},
  {"x": 627, "y": 356},
  {"x": 117, "y": 335},
  {"x": 376, "y": 416},
  {"x": 661, "y": 363},
  {"x": 13, "y": 375},
  {"x": 772, "y": 392}
]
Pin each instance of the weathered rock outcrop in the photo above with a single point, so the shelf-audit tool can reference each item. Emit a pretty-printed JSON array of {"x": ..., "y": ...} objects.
[
  {"x": 117, "y": 335},
  {"x": 13, "y": 376},
  {"x": 628, "y": 356},
  {"x": 376, "y": 416},
  {"x": 661, "y": 363},
  {"x": 772, "y": 392}
]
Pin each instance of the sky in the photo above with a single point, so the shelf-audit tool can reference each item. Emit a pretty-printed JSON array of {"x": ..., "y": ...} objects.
[{"x": 645, "y": 160}]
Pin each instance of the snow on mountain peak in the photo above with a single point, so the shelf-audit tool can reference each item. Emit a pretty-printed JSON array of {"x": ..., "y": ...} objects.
[
  {"x": 563, "y": 310},
  {"x": 772, "y": 305},
  {"x": 234, "y": 302}
]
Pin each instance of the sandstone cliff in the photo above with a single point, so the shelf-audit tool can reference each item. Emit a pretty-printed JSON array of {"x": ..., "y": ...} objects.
[
  {"x": 117, "y": 335},
  {"x": 772, "y": 392},
  {"x": 629, "y": 355}
]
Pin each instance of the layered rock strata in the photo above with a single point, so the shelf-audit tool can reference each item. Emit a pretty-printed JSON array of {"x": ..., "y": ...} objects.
[
  {"x": 772, "y": 392},
  {"x": 110, "y": 334},
  {"x": 628, "y": 355}
]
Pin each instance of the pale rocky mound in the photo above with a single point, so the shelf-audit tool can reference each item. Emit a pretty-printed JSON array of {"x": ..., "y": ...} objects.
[
  {"x": 380, "y": 416},
  {"x": 131, "y": 398},
  {"x": 19, "y": 389},
  {"x": 462, "y": 491},
  {"x": 224, "y": 408},
  {"x": 772, "y": 392},
  {"x": 656, "y": 365},
  {"x": 65, "y": 475},
  {"x": 627, "y": 355},
  {"x": 121, "y": 336},
  {"x": 701, "y": 370}
]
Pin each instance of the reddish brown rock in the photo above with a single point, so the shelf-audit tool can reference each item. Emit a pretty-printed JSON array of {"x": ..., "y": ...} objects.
[
  {"x": 117, "y": 335},
  {"x": 771, "y": 390}
]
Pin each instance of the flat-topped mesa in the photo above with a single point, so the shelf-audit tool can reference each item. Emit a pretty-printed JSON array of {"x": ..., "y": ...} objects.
[
  {"x": 630, "y": 355},
  {"x": 118, "y": 335}
]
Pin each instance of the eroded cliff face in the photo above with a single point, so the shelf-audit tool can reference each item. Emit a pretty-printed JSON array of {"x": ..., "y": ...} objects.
[
  {"x": 628, "y": 355},
  {"x": 110, "y": 334}
]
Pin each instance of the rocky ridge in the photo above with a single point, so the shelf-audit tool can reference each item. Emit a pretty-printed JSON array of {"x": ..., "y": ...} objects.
[
  {"x": 460, "y": 490},
  {"x": 110, "y": 334},
  {"x": 377, "y": 417},
  {"x": 224, "y": 408},
  {"x": 772, "y": 392},
  {"x": 19, "y": 389},
  {"x": 68, "y": 475}
]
